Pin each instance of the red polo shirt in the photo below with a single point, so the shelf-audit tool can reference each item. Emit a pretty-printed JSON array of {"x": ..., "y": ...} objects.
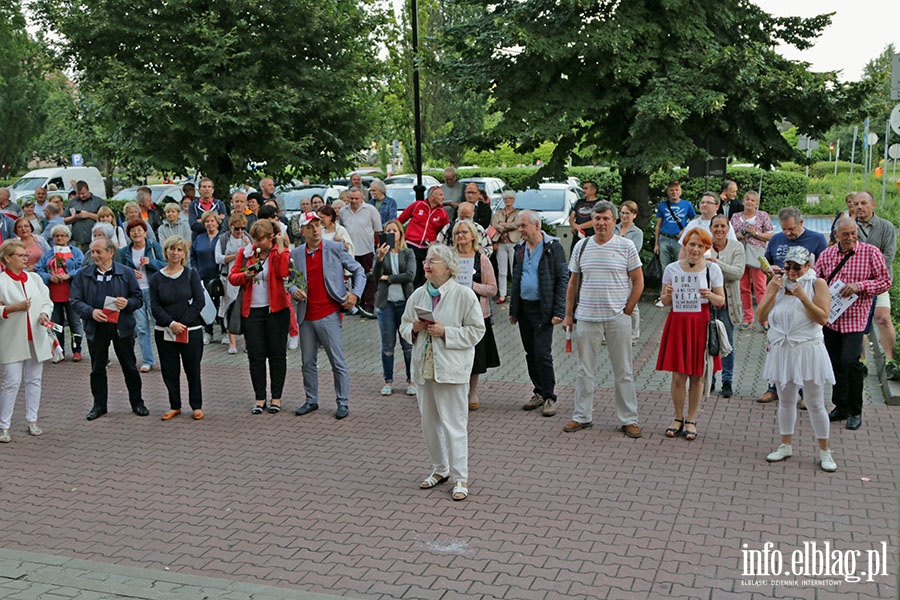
[{"x": 318, "y": 303}]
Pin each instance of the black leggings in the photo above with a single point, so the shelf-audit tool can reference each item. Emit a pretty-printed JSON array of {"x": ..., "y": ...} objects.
[{"x": 265, "y": 334}]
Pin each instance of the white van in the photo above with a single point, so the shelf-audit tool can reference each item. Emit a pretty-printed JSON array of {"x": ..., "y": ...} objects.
[{"x": 61, "y": 177}]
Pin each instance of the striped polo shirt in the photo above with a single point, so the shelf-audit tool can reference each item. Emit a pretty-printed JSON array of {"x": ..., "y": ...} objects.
[{"x": 605, "y": 284}]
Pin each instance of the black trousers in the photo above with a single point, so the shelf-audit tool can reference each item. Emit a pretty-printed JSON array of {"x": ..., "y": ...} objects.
[
  {"x": 64, "y": 312},
  {"x": 844, "y": 350},
  {"x": 367, "y": 302},
  {"x": 265, "y": 335},
  {"x": 98, "y": 346},
  {"x": 172, "y": 355},
  {"x": 537, "y": 339},
  {"x": 420, "y": 254}
]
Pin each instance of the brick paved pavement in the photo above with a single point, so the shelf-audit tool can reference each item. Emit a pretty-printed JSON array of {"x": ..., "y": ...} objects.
[{"x": 236, "y": 503}]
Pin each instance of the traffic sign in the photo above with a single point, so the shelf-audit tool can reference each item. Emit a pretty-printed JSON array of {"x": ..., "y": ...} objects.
[
  {"x": 873, "y": 138},
  {"x": 895, "y": 119},
  {"x": 77, "y": 160},
  {"x": 894, "y": 151}
]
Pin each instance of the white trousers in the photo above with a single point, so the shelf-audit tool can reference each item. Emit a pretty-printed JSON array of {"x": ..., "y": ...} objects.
[
  {"x": 588, "y": 342},
  {"x": 814, "y": 396},
  {"x": 505, "y": 253},
  {"x": 13, "y": 373},
  {"x": 445, "y": 421}
]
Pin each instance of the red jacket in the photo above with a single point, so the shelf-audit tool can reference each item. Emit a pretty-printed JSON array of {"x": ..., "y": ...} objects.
[
  {"x": 279, "y": 269},
  {"x": 425, "y": 222}
]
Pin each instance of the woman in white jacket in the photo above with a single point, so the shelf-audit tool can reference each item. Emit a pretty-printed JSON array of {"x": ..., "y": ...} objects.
[
  {"x": 443, "y": 321},
  {"x": 26, "y": 309}
]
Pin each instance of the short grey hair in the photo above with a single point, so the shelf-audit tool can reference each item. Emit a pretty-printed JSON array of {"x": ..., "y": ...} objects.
[
  {"x": 51, "y": 209},
  {"x": 355, "y": 189},
  {"x": 844, "y": 222},
  {"x": 105, "y": 229},
  {"x": 509, "y": 194},
  {"x": 61, "y": 229},
  {"x": 446, "y": 254},
  {"x": 532, "y": 215},
  {"x": 790, "y": 212},
  {"x": 378, "y": 184},
  {"x": 129, "y": 205},
  {"x": 603, "y": 206},
  {"x": 172, "y": 206}
]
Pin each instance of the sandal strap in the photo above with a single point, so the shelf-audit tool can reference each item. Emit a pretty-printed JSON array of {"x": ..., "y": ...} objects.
[{"x": 433, "y": 480}]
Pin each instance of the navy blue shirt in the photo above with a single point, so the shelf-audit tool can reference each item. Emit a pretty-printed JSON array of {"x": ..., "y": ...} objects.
[{"x": 779, "y": 243}]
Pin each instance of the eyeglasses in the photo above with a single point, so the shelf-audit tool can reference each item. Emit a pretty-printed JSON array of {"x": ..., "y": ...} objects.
[
  {"x": 25, "y": 256},
  {"x": 792, "y": 267},
  {"x": 236, "y": 228},
  {"x": 432, "y": 261}
]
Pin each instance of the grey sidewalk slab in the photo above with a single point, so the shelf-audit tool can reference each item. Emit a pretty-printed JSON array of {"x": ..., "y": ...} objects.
[{"x": 29, "y": 575}]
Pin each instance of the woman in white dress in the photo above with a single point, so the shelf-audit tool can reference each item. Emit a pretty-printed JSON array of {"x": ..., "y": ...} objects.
[{"x": 796, "y": 306}]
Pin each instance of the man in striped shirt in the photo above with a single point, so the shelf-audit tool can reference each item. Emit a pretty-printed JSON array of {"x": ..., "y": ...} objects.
[
  {"x": 862, "y": 269},
  {"x": 605, "y": 285}
]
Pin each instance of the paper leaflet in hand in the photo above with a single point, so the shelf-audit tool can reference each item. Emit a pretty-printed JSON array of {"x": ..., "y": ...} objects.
[
  {"x": 110, "y": 309},
  {"x": 425, "y": 315}
]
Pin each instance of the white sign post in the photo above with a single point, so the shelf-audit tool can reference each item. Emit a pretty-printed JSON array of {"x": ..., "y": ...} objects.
[{"x": 895, "y": 78}]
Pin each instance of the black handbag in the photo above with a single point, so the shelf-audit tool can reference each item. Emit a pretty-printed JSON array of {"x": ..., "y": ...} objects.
[
  {"x": 235, "y": 322},
  {"x": 712, "y": 338},
  {"x": 215, "y": 287},
  {"x": 654, "y": 271}
]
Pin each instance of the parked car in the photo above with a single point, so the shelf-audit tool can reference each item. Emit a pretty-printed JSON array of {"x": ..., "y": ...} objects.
[
  {"x": 494, "y": 187},
  {"x": 293, "y": 197},
  {"x": 553, "y": 200},
  {"x": 61, "y": 177},
  {"x": 162, "y": 194},
  {"x": 427, "y": 180}
]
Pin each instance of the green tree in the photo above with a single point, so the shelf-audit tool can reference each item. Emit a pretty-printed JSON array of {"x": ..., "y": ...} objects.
[
  {"x": 214, "y": 83},
  {"x": 22, "y": 88},
  {"x": 643, "y": 82},
  {"x": 452, "y": 115}
]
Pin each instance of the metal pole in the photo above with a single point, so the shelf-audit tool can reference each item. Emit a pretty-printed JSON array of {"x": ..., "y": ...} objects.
[
  {"x": 417, "y": 116},
  {"x": 853, "y": 156},
  {"x": 887, "y": 141},
  {"x": 808, "y": 154},
  {"x": 837, "y": 156}
]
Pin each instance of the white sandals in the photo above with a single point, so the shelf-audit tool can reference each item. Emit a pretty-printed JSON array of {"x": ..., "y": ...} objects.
[
  {"x": 433, "y": 480},
  {"x": 460, "y": 491}
]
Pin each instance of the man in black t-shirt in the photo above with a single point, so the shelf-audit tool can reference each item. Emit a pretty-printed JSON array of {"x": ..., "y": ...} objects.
[{"x": 580, "y": 217}]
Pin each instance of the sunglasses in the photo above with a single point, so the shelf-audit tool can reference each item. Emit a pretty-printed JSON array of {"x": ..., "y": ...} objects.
[
  {"x": 236, "y": 228},
  {"x": 792, "y": 267}
]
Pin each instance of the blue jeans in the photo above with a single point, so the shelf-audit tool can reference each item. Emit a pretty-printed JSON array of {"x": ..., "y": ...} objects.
[
  {"x": 143, "y": 325},
  {"x": 727, "y": 361},
  {"x": 389, "y": 323}
]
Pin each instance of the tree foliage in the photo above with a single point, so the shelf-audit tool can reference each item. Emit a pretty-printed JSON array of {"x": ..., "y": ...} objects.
[
  {"x": 214, "y": 83},
  {"x": 643, "y": 82},
  {"x": 22, "y": 87},
  {"x": 452, "y": 115}
]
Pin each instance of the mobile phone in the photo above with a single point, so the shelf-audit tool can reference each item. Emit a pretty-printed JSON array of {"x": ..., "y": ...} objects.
[
  {"x": 388, "y": 238},
  {"x": 77, "y": 211}
]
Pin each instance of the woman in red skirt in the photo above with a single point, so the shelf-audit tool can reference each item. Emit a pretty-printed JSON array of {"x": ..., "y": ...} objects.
[{"x": 690, "y": 285}]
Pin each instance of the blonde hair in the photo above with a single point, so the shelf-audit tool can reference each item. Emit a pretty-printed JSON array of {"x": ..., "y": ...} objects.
[
  {"x": 401, "y": 238},
  {"x": 106, "y": 211},
  {"x": 177, "y": 240},
  {"x": 476, "y": 237}
]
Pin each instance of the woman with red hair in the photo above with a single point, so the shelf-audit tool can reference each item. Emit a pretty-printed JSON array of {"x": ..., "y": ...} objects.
[{"x": 691, "y": 286}]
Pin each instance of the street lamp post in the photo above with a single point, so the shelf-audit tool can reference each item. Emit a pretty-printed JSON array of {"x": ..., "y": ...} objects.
[{"x": 417, "y": 116}]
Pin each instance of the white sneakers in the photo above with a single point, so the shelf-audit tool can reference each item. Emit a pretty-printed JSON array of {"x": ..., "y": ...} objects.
[
  {"x": 826, "y": 461},
  {"x": 784, "y": 451}
]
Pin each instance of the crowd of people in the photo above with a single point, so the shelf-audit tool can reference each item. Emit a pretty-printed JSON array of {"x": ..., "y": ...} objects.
[{"x": 167, "y": 277}]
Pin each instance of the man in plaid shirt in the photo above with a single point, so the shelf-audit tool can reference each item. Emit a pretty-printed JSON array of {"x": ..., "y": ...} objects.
[{"x": 862, "y": 269}]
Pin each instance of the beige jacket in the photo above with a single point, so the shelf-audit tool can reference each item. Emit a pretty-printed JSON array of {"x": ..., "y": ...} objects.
[
  {"x": 14, "y": 329},
  {"x": 731, "y": 261}
]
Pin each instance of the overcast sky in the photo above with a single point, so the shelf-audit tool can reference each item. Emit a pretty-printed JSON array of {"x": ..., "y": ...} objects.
[{"x": 859, "y": 31}]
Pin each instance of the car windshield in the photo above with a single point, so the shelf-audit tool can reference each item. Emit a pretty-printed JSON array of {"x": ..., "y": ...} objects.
[
  {"x": 130, "y": 194},
  {"x": 541, "y": 200},
  {"x": 404, "y": 196},
  {"x": 30, "y": 183},
  {"x": 292, "y": 198}
]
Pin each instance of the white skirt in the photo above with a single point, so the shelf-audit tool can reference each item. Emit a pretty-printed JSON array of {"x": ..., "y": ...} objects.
[{"x": 795, "y": 364}]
